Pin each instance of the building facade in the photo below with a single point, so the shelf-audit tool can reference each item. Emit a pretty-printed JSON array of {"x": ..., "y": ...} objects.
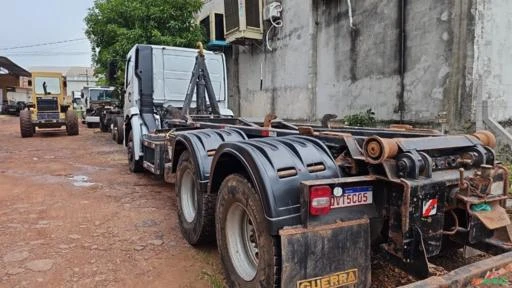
[{"x": 407, "y": 60}]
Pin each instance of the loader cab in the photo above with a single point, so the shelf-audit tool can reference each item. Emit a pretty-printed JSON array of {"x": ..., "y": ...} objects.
[
  {"x": 48, "y": 95},
  {"x": 49, "y": 106}
]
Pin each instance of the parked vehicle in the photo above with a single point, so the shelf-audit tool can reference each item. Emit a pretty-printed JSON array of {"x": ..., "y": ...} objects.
[
  {"x": 168, "y": 80},
  {"x": 14, "y": 108},
  {"x": 304, "y": 206},
  {"x": 101, "y": 106},
  {"x": 48, "y": 108}
]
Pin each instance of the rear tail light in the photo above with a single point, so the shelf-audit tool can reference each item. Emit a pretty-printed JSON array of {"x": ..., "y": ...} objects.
[{"x": 320, "y": 200}]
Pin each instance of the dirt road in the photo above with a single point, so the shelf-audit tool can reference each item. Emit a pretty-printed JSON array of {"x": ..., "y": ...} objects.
[{"x": 72, "y": 215}]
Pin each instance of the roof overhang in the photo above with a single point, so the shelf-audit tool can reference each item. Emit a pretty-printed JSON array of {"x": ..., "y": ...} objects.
[{"x": 12, "y": 68}]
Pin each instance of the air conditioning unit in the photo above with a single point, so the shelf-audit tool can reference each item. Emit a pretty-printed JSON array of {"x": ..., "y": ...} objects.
[
  {"x": 213, "y": 25},
  {"x": 243, "y": 20}
]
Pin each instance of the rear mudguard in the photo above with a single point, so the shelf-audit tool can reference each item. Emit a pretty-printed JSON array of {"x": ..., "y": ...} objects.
[
  {"x": 202, "y": 145},
  {"x": 276, "y": 167}
]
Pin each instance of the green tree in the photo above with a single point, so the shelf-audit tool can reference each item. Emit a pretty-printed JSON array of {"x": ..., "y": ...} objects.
[{"x": 114, "y": 26}]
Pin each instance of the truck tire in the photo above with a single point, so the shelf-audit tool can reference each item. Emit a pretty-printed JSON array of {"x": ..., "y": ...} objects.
[
  {"x": 250, "y": 255},
  {"x": 134, "y": 165},
  {"x": 118, "y": 130},
  {"x": 195, "y": 209},
  {"x": 113, "y": 130},
  {"x": 103, "y": 124},
  {"x": 71, "y": 123},
  {"x": 26, "y": 127}
]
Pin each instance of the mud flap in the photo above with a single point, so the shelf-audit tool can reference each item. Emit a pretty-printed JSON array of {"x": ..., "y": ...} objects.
[
  {"x": 327, "y": 256},
  {"x": 496, "y": 218}
]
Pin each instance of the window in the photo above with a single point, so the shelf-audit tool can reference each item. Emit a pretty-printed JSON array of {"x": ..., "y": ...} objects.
[
  {"x": 47, "y": 85},
  {"x": 100, "y": 95}
]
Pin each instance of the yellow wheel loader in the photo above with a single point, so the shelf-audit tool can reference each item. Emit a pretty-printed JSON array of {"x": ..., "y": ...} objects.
[{"x": 48, "y": 107}]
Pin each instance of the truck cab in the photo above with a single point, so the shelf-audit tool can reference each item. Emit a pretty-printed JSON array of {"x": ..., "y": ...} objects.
[
  {"x": 157, "y": 78},
  {"x": 96, "y": 100}
]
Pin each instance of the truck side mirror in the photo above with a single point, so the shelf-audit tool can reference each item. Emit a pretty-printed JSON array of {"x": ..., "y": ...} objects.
[
  {"x": 29, "y": 83},
  {"x": 65, "y": 83}
]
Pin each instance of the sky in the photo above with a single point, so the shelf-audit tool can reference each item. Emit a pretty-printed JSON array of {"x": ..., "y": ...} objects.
[{"x": 35, "y": 22}]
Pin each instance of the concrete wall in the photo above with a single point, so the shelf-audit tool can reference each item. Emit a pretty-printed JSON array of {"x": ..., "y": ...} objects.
[
  {"x": 319, "y": 64},
  {"x": 456, "y": 53},
  {"x": 357, "y": 68},
  {"x": 285, "y": 71},
  {"x": 5, "y": 82},
  {"x": 493, "y": 57}
]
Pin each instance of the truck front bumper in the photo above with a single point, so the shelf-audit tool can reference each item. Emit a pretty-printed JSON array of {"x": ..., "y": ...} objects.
[{"x": 92, "y": 119}]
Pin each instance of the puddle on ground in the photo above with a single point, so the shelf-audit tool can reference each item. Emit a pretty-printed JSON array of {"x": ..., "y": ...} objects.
[{"x": 81, "y": 181}]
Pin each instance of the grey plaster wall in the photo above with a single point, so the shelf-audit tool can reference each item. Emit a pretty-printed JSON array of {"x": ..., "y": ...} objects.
[
  {"x": 277, "y": 81},
  {"x": 357, "y": 67},
  {"x": 457, "y": 53},
  {"x": 319, "y": 64},
  {"x": 493, "y": 57}
]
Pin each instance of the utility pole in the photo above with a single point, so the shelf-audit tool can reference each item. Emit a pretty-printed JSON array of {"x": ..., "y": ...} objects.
[{"x": 86, "y": 76}]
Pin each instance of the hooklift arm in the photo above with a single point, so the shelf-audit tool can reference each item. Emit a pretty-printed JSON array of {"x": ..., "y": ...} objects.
[{"x": 201, "y": 82}]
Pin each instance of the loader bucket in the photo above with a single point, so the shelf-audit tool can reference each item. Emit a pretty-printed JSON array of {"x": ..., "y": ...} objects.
[
  {"x": 495, "y": 271},
  {"x": 328, "y": 256}
]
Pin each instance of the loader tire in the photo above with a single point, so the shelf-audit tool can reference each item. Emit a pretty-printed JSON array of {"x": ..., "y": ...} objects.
[
  {"x": 26, "y": 127},
  {"x": 195, "y": 208},
  {"x": 251, "y": 257},
  {"x": 71, "y": 123},
  {"x": 135, "y": 166}
]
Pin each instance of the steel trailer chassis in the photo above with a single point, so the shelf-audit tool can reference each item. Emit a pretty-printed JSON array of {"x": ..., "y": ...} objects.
[{"x": 429, "y": 193}]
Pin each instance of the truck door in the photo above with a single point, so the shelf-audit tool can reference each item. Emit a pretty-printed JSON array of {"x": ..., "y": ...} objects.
[{"x": 128, "y": 83}]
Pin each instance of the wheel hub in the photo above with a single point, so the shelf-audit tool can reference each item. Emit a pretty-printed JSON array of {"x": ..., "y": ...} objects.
[
  {"x": 188, "y": 196},
  {"x": 242, "y": 242}
]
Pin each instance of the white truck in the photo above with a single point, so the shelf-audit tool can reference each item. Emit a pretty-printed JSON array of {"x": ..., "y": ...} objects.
[
  {"x": 157, "y": 79},
  {"x": 99, "y": 103}
]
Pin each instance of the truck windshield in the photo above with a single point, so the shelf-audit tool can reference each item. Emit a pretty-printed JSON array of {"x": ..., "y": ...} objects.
[
  {"x": 101, "y": 95},
  {"x": 47, "y": 85}
]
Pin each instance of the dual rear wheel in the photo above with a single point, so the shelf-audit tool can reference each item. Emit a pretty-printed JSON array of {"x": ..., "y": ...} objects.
[{"x": 235, "y": 217}]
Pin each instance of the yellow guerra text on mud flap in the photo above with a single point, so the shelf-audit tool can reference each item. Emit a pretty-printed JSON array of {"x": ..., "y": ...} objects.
[{"x": 331, "y": 281}]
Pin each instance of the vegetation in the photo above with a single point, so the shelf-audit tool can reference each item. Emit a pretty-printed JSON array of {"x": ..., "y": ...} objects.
[
  {"x": 114, "y": 26},
  {"x": 213, "y": 279},
  {"x": 361, "y": 119}
]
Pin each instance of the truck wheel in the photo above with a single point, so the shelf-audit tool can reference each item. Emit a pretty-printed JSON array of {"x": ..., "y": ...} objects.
[
  {"x": 103, "y": 125},
  {"x": 71, "y": 123},
  {"x": 113, "y": 130},
  {"x": 195, "y": 209},
  {"x": 134, "y": 165},
  {"x": 118, "y": 130},
  {"x": 26, "y": 127},
  {"x": 250, "y": 255}
]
